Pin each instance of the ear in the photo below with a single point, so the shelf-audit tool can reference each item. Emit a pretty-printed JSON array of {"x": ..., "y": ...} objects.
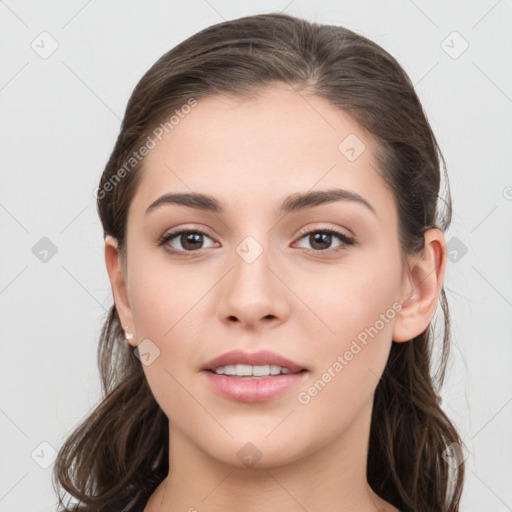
[
  {"x": 421, "y": 287},
  {"x": 116, "y": 274}
]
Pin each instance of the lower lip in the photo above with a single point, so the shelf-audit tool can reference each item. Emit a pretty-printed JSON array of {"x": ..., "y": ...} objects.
[{"x": 244, "y": 389}]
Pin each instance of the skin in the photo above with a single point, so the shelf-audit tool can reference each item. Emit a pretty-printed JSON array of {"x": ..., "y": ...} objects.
[{"x": 309, "y": 307}]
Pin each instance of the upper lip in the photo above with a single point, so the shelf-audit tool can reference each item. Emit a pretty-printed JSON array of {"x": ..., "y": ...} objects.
[{"x": 261, "y": 358}]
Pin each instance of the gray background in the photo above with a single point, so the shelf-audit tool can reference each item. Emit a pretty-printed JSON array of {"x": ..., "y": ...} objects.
[{"x": 60, "y": 117}]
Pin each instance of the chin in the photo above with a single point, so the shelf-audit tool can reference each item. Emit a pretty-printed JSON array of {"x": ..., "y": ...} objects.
[{"x": 256, "y": 454}]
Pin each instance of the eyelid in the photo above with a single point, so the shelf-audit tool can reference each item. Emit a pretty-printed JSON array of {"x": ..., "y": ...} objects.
[
  {"x": 341, "y": 231},
  {"x": 168, "y": 235},
  {"x": 346, "y": 239}
]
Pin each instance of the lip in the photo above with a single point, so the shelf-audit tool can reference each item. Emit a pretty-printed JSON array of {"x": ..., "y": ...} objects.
[
  {"x": 259, "y": 358},
  {"x": 243, "y": 389}
]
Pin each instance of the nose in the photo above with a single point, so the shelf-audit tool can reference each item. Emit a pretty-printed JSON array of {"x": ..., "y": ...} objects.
[{"x": 252, "y": 294}]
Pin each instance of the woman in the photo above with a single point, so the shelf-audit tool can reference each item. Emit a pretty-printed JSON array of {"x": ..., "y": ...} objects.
[{"x": 276, "y": 255}]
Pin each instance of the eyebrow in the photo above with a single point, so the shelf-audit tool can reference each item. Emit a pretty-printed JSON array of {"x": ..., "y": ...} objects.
[{"x": 293, "y": 203}]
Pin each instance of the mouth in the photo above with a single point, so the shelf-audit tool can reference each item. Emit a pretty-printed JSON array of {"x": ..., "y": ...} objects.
[
  {"x": 247, "y": 371},
  {"x": 252, "y": 377}
]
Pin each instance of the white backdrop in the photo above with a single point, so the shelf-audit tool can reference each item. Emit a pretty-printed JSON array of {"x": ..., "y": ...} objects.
[{"x": 66, "y": 71}]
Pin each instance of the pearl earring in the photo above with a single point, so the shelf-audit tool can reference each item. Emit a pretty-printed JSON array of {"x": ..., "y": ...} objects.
[{"x": 127, "y": 335}]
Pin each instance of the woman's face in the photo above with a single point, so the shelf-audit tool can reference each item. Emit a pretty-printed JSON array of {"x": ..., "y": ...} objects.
[{"x": 267, "y": 274}]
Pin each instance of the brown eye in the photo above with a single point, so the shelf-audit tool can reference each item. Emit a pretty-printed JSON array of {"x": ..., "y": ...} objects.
[
  {"x": 190, "y": 241},
  {"x": 187, "y": 241},
  {"x": 321, "y": 240}
]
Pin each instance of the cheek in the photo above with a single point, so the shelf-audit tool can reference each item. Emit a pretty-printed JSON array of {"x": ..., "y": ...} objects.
[
  {"x": 167, "y": 303},
  {"x": 344, "y": 301},
  {"x": 168, "y": 319},
  {"x": 351, "y": 328},
  {"x": 164, "y": 294}
]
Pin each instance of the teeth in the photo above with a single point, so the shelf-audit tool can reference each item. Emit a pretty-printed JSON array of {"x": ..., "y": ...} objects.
[{"x": 246, "y": 370}]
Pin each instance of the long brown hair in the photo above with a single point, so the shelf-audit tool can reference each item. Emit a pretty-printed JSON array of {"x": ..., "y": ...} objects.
[{"x": 121, "y": 448}]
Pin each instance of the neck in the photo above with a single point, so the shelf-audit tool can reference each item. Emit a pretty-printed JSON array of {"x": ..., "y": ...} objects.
[{"x": 332, "y": 479}]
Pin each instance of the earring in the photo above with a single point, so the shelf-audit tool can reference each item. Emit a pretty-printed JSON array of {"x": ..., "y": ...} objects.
[{"x": 127, "y": 335}]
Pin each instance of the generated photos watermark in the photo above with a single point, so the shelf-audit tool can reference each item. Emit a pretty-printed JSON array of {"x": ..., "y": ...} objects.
[{"x": 304, "y": 397}]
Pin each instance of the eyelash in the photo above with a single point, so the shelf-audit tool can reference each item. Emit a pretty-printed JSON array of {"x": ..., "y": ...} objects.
[{"x": 346, "y": 241}]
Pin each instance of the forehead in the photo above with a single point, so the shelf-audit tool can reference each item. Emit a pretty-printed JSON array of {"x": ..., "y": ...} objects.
[{"x": 257, "y": 151}]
